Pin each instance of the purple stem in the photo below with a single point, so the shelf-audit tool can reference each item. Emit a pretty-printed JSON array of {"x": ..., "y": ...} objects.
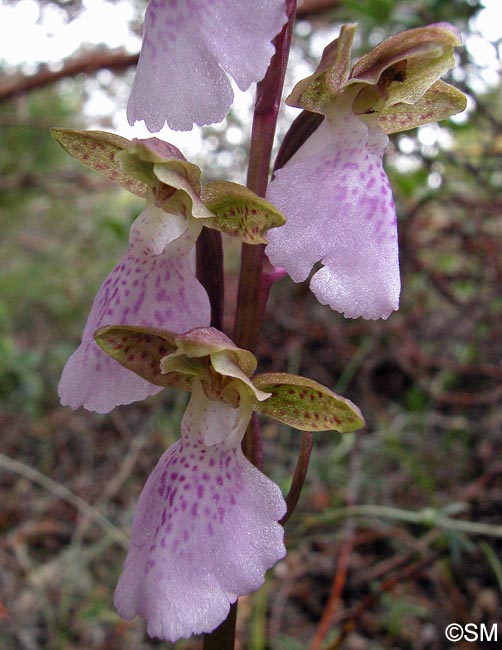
[
  {"x": 251, "y": 300},
  {"x": 252, "y": 294},
  {"x": 209, "y": 271},
  {"x": 302, "y": 465}
]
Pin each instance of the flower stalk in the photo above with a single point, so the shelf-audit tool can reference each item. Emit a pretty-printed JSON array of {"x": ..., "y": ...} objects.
[
  {"x": 250, "y": 299},
  {"x": 252, "y": 294},
  {"x": 209, "y": 272}
]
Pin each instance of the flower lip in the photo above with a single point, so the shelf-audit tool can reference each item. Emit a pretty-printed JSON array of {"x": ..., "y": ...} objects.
[
  {"x": 188, "y": 50},
  {"x": 205, "y": 530}
]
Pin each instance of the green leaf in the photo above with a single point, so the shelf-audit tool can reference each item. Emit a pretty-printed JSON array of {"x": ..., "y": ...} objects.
[
  {"x": 240, "y": 212},
  {"x": 98, "y": 150},
  {"x": 140, "y": 349},
  {"x": 304, "y": 404}
]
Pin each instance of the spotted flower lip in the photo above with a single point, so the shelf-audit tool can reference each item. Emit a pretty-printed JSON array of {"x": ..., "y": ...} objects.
[
  {"x": 340, "y": 211},
  {"x": 207, "y": 524},
  {"x": 153, "y": 284},
  {"x": 206, "y": 527},
  {"x": 333, "y": 191},
  {"x": 188, "y": 46},
  {"x": 205, "y": 530}
]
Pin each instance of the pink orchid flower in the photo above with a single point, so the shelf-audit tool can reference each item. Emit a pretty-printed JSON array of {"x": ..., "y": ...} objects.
[{"x": 333, "y": 191}]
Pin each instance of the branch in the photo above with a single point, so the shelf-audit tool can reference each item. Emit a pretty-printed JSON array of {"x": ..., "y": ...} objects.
[
  {"x": 89, "y": 63},
  {"x": 310, "y": 7}
]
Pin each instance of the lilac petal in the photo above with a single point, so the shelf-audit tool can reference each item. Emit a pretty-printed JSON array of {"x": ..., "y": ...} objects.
[
  {"x": 205, "y": 532},
  {"x": 240, "y": 36},
  {"x": 186, "y": 45},
  {"x": 338, "y": 204},
  {"x": 152, "y": 286}
]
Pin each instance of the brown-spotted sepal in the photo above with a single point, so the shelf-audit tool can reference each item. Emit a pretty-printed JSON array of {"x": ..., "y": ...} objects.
[
  {"x": 223, "y": 368},
  {"x": 140, "y": 350},
  {"x": 176, "y": 360},
  {"x": 99, "y": 150},
  {"x": 240, "y": 212},
  {"x": 407, "y": 64},
  {"x": 304, "y": 404},
  {"x": 441, "y": 101},
  {"x": 177, "y": 181}
]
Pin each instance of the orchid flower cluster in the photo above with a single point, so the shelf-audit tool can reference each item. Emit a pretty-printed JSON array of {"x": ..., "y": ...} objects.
[{"x": 208, "y": 522}]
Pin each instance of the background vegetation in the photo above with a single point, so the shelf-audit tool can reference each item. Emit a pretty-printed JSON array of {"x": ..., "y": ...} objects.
[{"x": 399, "y": 529}]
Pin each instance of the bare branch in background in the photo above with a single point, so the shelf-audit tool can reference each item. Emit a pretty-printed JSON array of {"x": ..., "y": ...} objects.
[
  {"x": 309, "y": 7},
  {"x": 12, "y": 86},
  {"x": 89, "y": 63}
]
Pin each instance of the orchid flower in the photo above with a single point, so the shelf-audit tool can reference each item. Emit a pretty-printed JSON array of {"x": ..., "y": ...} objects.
[
  {"x": 187, "y": 48},
  {"x": 333, "y": 191},
  {"x": 206, "y": 528},
  {"x": 153, "y": 284}
]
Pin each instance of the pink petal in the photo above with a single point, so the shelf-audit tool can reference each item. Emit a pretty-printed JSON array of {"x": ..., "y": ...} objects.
[
  {"x": 338, "y": 204},
  {"x": 240, "y": 35},
  {"x": 205, "y": 531},
  {"x": 186, "y": 45},
  {"x": 153, "y": 285}
]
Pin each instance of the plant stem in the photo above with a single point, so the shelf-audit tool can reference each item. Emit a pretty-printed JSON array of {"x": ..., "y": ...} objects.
[
  {"x": 251, "y": 299},
  {"x": 209, "y": 272},
  {"x": 302, "y": 465}
]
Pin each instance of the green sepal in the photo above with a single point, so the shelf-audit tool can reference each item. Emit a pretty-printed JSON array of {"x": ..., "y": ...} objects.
[
  {"x": 208, "y": 341},
  {"x": 440, "y": 102},
  {"x": 98, "y": 150},
  {"x": 401, "y": 70},
  {"x": 225, "y": 366},
  {"x": 304, "y": 404},
  {"x": 407, "y": 64},
  {"x": 240, "y": 212},
  {"x": 156, "y": 153},
  {"x": 330, "y": 78},
  {"x": 161, "y": 165},
  {"x": 184, "y": 177},
  {"x": 140, "y": 349},
  {"x": 175, "y": 360}
]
